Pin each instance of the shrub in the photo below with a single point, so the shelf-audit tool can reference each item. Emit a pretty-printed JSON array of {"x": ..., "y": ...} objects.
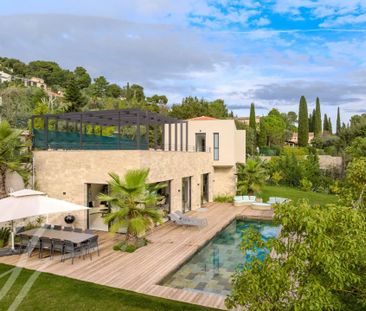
[
  {"x": 4, "y": 236},
  {"x": 130, "y": 248},
  {"x": 276, "y": 177},
  {"x": 297, "y": 151},
  {"x": 267, "y": 151},
  {"x": 305, "y": 184},
  {"x": 224, "y": 199},
  {"x": 335, "y": 188},
  {"x": 124, "y": 246}
]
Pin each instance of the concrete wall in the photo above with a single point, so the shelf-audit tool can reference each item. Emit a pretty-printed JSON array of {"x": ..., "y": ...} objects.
[
  {"x": 14, "y": 182},
  {"x": 329, "y": 162},
  {"x": 64, "y": 174},
  {"x": 232, "y": 147}
]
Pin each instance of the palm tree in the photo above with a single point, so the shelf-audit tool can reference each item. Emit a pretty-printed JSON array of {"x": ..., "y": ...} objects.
[
  {"x": 251, "y": 177},
  {"x": 133, "y": 203},
  {"x": 14, "y": 155}
]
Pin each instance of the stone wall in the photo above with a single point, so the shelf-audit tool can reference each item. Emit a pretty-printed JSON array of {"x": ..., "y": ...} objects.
[
  {"x": 224, "y": 181},
  {"x": 65, "y": 174},
  {"x": 325, "y": 161}
]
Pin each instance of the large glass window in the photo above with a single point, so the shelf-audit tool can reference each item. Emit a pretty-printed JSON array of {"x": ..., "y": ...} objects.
[{"x": 216, "y": 146}]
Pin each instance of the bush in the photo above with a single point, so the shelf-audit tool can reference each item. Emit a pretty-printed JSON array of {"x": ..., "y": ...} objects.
[
  {"x": 297, "y": 151},
  {"x": 224, "y": 199},
  {"x": 267, "y": 151},
  {"x": 4, "y": 236},
  {"x": 335, "y": 188},
  {"x": 123, "y": 246},
  {"x": 276, "y": 177},
  {"x": 305, "y": 184}
]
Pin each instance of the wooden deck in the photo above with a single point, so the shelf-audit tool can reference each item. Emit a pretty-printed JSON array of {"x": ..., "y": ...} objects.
[{"x": 142, "y": 270}]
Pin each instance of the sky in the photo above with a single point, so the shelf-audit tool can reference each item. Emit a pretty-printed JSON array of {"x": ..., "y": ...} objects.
[{"x": 269, "y": 52}]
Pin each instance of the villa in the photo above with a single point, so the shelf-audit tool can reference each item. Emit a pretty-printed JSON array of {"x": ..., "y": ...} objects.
[
  {"x": 74, "y": 152},
  {"x": 196, "y": 158}
]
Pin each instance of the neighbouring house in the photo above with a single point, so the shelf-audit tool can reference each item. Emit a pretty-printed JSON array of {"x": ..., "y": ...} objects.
[
  {"x": 35, "y": 82},
  {"x": 5, "y": 77},
  {"x": 245, "y": 120},
  {"x": 72, "y": 157},
  {"x": 293, "y": 141}
]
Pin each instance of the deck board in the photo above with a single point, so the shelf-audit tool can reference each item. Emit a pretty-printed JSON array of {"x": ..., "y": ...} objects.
[{"x": 142, "y": 270}]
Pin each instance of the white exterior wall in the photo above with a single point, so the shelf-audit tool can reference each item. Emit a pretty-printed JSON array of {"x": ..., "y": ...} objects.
[{"x": 232, "y": 149}]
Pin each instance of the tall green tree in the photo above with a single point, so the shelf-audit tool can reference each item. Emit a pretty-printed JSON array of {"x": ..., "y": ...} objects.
[
  {"x": 338, "y": 129},
  {"x": 252, "y": 121},
  {"x": 325, "y": 123},
  {"x": 134, "y": 203},
  {"x": 82, "y": 77},
  {"x": 303, "y": 131},
  {"x": 272, "y": 129},
  {"x": 330, "y": 128},
  {"x": 318, "y": 119},
  {"x": 14, "y": 155},
  {"x": 73, "y": 96},
  {"x": 318, "y": 262}
]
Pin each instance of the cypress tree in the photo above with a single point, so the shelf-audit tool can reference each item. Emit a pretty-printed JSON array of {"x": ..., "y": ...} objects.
[
  {"x": 310, "y": 122},
  {"x": 325, "y": 123},
  {"x": 262, "y": 136},
  {"x": 330, "y": 130},
  {"x": 338, "y": 121},
  {"x": 303, "y": 130},
  {"x": 317, "y": 119},
  {"x": 252, "y": 122}
]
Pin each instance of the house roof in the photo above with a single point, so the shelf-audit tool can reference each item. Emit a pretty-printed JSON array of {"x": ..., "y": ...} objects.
[{"x": 203, "y": 118}]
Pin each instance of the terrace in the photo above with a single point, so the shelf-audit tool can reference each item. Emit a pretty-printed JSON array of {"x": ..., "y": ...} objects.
[
  {"x": 122, "y": 129},
  {"x": 143, "y": 270}
]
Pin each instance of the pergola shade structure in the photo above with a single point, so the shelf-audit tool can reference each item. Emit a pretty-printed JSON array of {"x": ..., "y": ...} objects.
[{"x": 128, "y": 129}]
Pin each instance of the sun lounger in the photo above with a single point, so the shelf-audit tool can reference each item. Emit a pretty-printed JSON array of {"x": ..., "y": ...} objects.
[
  {"x": 187, "y": 221},
  {"x": 241, "y": 200}
]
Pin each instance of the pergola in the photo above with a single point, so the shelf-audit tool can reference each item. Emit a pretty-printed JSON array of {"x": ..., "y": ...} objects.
[{"x": 120, "y": 118}]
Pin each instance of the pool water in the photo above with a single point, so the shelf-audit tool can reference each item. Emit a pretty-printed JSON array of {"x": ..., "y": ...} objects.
[{"x": 210, "y": 269}]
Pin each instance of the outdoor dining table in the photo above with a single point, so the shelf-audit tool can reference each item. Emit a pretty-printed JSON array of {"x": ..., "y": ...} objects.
[{"x": 75, "y": 237}]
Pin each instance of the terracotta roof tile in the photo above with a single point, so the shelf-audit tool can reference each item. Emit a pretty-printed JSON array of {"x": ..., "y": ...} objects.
[{"x": 203, "y": 118}]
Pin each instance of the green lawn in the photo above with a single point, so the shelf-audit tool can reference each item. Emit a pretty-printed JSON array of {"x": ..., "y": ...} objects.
[
  {"x": 51, "y": 292},
  {"x": 296, "y": 194}
]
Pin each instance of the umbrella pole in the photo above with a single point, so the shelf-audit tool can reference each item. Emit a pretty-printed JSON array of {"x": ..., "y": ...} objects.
[{"x": 12, "y": 236}]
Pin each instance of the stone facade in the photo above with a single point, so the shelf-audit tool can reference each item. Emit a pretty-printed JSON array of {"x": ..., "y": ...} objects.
[{"x": 65, "y": 174}]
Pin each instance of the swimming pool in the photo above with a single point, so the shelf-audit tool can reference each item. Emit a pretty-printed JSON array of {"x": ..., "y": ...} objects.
[{"x": 210, "y": 269}]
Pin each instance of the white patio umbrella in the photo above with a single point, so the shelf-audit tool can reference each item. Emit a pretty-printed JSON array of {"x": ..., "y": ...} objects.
[{"x": 28, "y": 203}]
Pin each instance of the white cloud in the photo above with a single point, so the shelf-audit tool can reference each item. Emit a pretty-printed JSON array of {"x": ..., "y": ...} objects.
[{"x": 263, "y": 21}]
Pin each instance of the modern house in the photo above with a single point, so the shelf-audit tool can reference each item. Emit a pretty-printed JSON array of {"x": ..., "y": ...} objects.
[
  {"x": 293, "y": 141},
  {"x": 74, "y": 152}
]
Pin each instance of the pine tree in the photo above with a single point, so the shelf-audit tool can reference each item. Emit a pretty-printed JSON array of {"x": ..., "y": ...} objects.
[
  {"x": 303, "y": 131},
  {"x": 338, "y": 122},
  {"x": 252, "y": 122},
  {"x": 317, "y": 119},
  {"x": 73, "y": 96},
  {"x": 330, "y": 129},
  {"x": 325, "y": 123}
]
